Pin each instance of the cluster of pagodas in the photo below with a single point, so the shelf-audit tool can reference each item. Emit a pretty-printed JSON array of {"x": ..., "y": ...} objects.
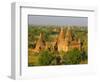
[{"x": 63, "y": 42}]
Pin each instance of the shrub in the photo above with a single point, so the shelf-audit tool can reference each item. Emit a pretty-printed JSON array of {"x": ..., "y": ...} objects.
[
  {"x": 84, "y": 55},
  {"x": 45, "y": 58},
  {"x": 72, "y": 57}
]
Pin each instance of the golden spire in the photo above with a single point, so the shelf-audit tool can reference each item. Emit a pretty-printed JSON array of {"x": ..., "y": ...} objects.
[
  {"x": 40, "y": 45},
  {"x": 69, "y": 34},
  {"x": 61, "y": 35}
]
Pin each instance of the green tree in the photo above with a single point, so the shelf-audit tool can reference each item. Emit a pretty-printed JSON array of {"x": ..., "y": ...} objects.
[
  {"x": 45, "y": 58},
  {"x": 84, "y": 56},
  {"x": 72, "y": 57}
]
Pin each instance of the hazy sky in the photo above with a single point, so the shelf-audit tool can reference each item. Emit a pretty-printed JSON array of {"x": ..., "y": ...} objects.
[{"x": 57, "y": 20}]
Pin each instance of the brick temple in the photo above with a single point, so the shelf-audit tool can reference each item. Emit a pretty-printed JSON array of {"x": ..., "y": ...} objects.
[{"x": 63, "y": 42}]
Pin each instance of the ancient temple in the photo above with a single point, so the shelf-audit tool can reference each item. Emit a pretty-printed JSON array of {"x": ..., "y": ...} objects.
[
  {"x": 72, "y": 41},
  {"x": 62, "y": 43},
  {"x": 40, "y": 44},
  {"x": 65, "y": 41}
]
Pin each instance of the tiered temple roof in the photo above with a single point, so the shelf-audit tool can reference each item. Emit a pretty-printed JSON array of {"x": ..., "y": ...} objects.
[
  {"x": 63, "y": 42},
  {"x": 40, "y": 45}
]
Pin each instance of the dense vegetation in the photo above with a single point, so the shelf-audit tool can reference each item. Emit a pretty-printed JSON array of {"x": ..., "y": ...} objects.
[{"x": 46, "y": 57}]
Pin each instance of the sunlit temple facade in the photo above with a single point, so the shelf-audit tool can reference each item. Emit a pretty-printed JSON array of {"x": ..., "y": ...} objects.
[{"x": 63, "y": 42}]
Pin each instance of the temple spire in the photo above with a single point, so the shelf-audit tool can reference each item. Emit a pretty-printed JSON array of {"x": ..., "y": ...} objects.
[
  {"x": 40, "y": 45},
  {"x": 61, "y": 35},
  {"x": 69, "y": 36}
]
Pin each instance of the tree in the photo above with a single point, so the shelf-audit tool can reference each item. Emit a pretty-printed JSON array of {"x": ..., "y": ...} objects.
[
  {"x": 56, "y": 60},
  {"x": 84, "y": 55},
  {"x": 45, "y": 57},
  {"x": 72, "y": 57}
]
